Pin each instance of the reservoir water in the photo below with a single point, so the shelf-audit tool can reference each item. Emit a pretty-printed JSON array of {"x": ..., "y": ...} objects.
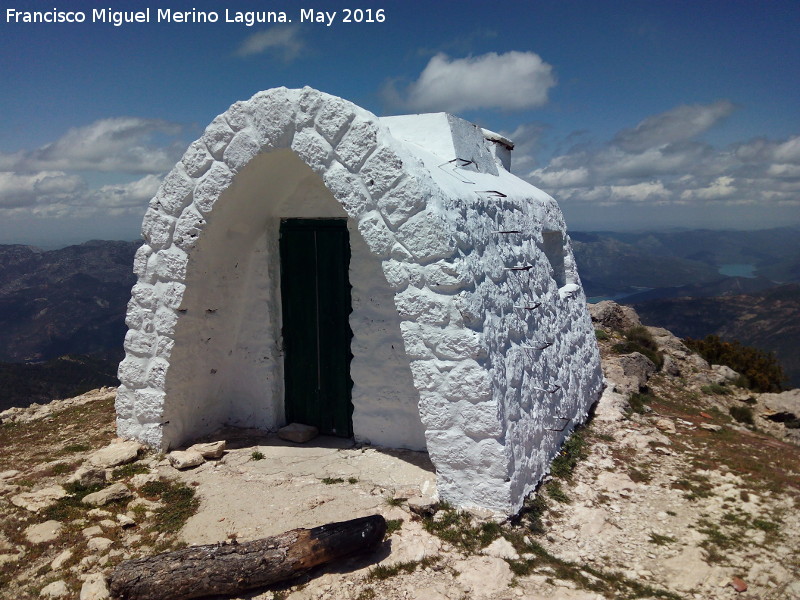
[{"x": 737, "y": 270}]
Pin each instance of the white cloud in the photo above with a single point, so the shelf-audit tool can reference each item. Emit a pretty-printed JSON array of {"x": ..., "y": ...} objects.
[
  {"x": 25, "y": 189},
  {"x": 283, "y": 40},
  {"x": 510, "y": 81},
  {"x": 681, "y": 123},
  {"x": 58, "y": 195},
  {"x": 122, "y": 144},
  {"x": 659, "y": 162}
]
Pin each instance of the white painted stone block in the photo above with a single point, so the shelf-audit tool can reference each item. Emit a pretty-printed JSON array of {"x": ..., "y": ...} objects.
[
  {"x": 240, "y": 151},
  {"x": 139, "y": 343},
  {"x": 171, "y": 264},
  {"x": 381, "y": 170},
  {"x": 422, "y": 235},
  {"x": 273, "y": 114},
  {"x": 356, "y": 144},
  {"x": 217, "y": 136},
  {"x": 149, "y": 405},
  {"x": 423, "y": 306},
  {"x": 238, "y": 116},
  {"x": 188, "y": 228},
  {"x": 157, "y": 228},
  {"x": 175, "y": 191},
  {"x": 213, "y": 183},
  {"x": 332, "y": 119},
  {"x": 140, "y": 260},
  {"x": 165, "y": 321},
  {"x": 133, "y": 371},
  {"x": 375, "y": 233},
  {"x": 313, "y": 149},
  {"x": 196, "y": 160},
  {"x": 467, "y": 381},
  {"x": 403, "y": 201},
  {"x": 171, "y": 294},
  {"x": 348, "y": 189},
  {"x": 145, "y": 295}
]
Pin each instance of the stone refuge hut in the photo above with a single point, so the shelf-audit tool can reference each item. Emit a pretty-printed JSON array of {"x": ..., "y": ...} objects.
[{"x": 385, "y": 279}]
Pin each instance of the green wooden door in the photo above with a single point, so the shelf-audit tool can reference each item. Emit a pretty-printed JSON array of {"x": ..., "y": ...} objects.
[{"x": 315, "y": 292}]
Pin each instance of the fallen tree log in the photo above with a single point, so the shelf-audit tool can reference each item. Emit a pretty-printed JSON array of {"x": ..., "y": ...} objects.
[{"x": 231, "y": 568}]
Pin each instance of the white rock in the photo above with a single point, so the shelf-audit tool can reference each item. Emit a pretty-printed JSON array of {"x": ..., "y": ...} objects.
[
  {"x": 94, "y": 588},
  {"x": 116, "y": 491},
  {"x": 185, "y": 459},
  {"x": 9, "y": 558},
  {"x": 209, "y": 449},
  {"x": 93, "y": 531},
  {"x": 666, "y": 425},
  {"x": 484, "y": 575},
  {"x": 99, "y": 544},
  {"x": 116, "y": 454},
  {"x": 43, "y": 532},
  {"x": 140, "y": 479},
  {"x": 61, "y": 559},
  {"x": 11, "y": 473},
  {"x": 36, "y": 501},
  {"x": 298, "y": 433},
  {"x": 501, "y": 548},
  {"x": 56, "y": 589},
  {"x": 88, "y": 475},
  {"x": 125, "y": 520}
]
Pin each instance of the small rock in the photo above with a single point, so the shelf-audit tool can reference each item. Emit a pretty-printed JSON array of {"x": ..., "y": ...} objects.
[
  {"x": 298, "y": 433},
  {"x": 185, "y": 459},
  {"x": 61, "y": 559},
  {"x": 710, "y": 427},
  {"x": 422, "y": 505},
  {"x": 210, "y": 449},
  {"x": 88, "y": 475},
  {"x": 501, "y": 548},
  {"x": 739, "y": 584},
  {"x": 125, "y": 520},
  {"x": 43, "y": 532},
  {"x": 611, "y": 315},
  {"x": 57, "y": 589},
  {"x": 92, "y": 531},
  {"x": 36, "y": 501},
  {"x": 10, "y": 474},
  {"x": 9, "y": 558},
  {"x": 722, "y": 374},
  {"x": 108, "y": 524},
  {"x": 666, "y": 425},
  {"x": 99, "y": 544},
  {"x": 99, "y": 513},
  {"x": 117, "y": 491},
  {"x": 115, "y": 454},
  {"x": 405, "y": 493},
  {"x": 140, "y": 479},
  {"x": 94, "y": 588}
]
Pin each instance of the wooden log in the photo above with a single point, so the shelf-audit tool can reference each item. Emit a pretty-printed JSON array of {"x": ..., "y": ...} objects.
[{"x": 231, "y": 568}]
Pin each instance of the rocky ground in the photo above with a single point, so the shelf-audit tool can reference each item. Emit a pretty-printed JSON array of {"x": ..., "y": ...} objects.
[{"x": 669, "y": 492}]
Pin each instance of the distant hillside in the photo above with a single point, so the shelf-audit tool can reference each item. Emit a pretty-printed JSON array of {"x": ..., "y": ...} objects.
[
  {"x": 610, "y": 267},
  {"x": 767, "y": 320},
  {"x": 775, "y": 253},
  {"x": 23, "y": 384},
  {"x": 67, "y": 301}
]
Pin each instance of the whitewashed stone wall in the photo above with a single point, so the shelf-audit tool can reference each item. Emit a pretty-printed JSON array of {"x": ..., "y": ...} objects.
[{"x": 448, "y": 342}]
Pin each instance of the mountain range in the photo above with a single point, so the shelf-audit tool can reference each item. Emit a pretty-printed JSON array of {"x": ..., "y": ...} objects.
[{"x": 72, "y": 301}]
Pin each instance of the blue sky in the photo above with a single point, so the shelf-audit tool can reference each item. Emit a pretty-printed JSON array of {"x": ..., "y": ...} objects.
[{"x": 633, "y": 115}]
